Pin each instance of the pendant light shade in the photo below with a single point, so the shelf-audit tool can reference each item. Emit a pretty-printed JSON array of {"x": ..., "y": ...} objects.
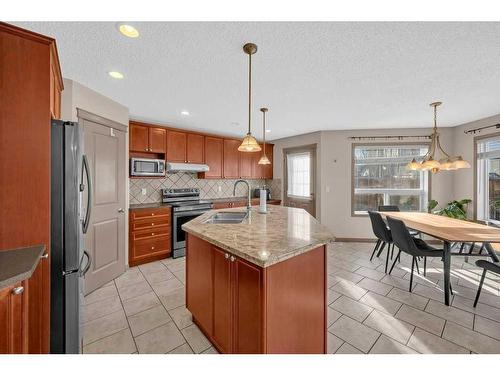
[
  {"x": 446, "y": 163},
  {"x": 249, "y": 143},
  {"x": 264, "y": 159}
]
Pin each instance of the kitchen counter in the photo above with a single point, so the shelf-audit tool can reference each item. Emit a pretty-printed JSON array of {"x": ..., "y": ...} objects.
[
  {"x": 18, "y": 264},
  {"x": 264, "y": 239},
  {"x": 214, "y": 200},
  {"x": 148, "y": 205}
]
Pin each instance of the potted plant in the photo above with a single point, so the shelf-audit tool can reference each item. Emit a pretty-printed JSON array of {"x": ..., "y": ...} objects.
[{"x": 454, "y": 209}]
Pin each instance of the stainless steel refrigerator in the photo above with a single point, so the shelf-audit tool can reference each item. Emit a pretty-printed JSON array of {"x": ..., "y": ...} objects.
[{"x": 71, "y": 195}]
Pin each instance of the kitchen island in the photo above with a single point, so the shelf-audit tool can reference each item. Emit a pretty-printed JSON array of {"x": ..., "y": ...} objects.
[{"x": 259, "y": 286}]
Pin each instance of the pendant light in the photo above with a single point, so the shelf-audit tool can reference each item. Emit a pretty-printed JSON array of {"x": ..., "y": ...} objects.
[
  {"x": 264, "y": 159},
  {"x": 429, "y": 162},
  {"x": 249, "y": 143}
]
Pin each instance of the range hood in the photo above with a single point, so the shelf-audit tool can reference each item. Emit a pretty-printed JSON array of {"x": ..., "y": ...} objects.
[{"x": 186, "y": 167}]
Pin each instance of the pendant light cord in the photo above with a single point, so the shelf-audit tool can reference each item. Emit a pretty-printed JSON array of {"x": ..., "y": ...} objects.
[
  {"x": 264, "y": 132},
  {"x": 249, "y": 91}
]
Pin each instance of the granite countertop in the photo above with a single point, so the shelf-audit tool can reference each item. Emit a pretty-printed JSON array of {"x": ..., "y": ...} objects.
[
  {"x": 214, "y": 200},
  {"x": 148, "y": 205},
  {"x": 264, "y": 239},
  {"x": 18, "y": 264}
]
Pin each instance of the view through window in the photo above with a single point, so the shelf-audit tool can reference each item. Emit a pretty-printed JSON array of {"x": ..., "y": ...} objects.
[
  {"x": 488, "y": 179},
  {"x": 380, "y": 177},
  {"x": 299, "y": 174}
]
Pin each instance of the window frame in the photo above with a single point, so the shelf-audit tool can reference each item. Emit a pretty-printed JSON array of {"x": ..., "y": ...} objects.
[
  {"x": 383, "y": 144},
  {"x": 475, "y": 181}
]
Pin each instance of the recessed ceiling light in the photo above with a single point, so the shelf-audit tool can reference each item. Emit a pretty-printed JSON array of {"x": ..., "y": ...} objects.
[
  {"x": 116, "y": 75},
  {"x": 185, "y": 113},
  {"x": 128, "y": 30}
]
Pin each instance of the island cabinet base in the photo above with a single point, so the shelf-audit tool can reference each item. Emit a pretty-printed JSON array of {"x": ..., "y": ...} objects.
[{"x": 243, "y": 308}]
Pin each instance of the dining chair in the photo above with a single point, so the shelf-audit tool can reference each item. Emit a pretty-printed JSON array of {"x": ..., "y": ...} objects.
[
  {"x": 486, "y": 266},
  {"x": 383, "y": 235},
  {"x": 415, "y": 247}
]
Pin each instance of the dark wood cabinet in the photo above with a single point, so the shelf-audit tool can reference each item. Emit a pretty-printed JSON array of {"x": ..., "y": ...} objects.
[
  {"x": 223, "y": 319},
  {"x": 149, "y": 235},
  {"x": 146, "y": 138},
  {"x": 14, "y": 319},
  {"x": 246, "y": 161},
  {"x": 231, "y": 158},
  {"x": 213, "y": 157},
  {"x": 176, "y": 146},
  {"x": 199, "y": 276},
  {"x": 195, "y": 150}
]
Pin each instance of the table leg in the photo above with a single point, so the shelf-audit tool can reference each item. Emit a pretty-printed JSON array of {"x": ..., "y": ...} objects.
[
  {"x": 491, "y": 251},
  {"x": 446, "y": 265}
]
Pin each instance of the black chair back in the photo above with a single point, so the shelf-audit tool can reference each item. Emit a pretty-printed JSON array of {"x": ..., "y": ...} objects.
[
  {"x": 388, "y": 208},
  {"x": 402, "y": 237},
  {"x": 379, "y": 227}
]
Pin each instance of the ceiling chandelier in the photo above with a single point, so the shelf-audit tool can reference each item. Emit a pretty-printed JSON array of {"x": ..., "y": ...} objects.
[
  {"x": 249, "y": 143},
  {"x": 430, "y": 162},
  {"x": 264, "y": 159}
]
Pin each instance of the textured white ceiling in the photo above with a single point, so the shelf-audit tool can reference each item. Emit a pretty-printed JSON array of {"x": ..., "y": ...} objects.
[{"x": 312, "y": 76}]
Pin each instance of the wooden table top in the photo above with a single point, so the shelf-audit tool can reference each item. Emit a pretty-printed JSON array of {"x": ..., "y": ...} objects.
[{"x": 445, "y": 228}]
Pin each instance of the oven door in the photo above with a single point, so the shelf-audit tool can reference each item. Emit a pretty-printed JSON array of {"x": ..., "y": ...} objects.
[{"x": 178, "y": 235}]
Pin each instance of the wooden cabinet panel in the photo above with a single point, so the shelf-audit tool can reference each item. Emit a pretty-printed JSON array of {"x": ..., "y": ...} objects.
[
  {"x": 14, "y": 319},
  {"x": 213, "y": 156},
  {"x": 199, "y": 289},
  {"x": 157, "y": 140},
  {"x": 155, "y": 245},
  {"x": 248, "y": 311},
  {"x": 231, "y": 158},
  {"x": 195, "y": 148},
  {"x": 268, "y": 169},
  {"x": 223, "y": 321},
  {"x": 246, "y": 161},
  {"x": 176, "y": 146},
  {"x": 139, "y": 138}
]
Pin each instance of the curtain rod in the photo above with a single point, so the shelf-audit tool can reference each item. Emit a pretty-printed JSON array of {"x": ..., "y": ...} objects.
[
  {"x": 478, "y": 130},
  {"x": 387, "y": 137}
]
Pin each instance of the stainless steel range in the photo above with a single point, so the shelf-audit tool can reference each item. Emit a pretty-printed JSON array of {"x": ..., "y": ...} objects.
[{"x": 186, "y": 205}]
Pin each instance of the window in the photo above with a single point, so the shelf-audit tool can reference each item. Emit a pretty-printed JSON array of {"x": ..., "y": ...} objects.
[
  {"x": 299, "y": 174},
  {"x": 488, "y": 179},
  {"x": 380, "y": 177}
]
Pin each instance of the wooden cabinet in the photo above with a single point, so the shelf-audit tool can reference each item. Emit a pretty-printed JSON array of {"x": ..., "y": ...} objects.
[
  {"x": 213, "y": 157},
  {"x": 146, "y": 138},
  {"x": 56, "y": 85},
  {"x": 199, "y": 274},
  {"x": 195, "y": 150},
  {"x": 176, "y": 146},
  {"x": 14, "y": 319},
  {"x": 262, "y": 171},
  {"x": 223, "y": 317},
  {"x": 231, "y": 158},
  {"x": 246, "y": 161},
  {"x": 149, "y": 235}
]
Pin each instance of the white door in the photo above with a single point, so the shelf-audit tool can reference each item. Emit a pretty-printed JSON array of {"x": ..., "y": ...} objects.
[{"x": 105, "y": 238}]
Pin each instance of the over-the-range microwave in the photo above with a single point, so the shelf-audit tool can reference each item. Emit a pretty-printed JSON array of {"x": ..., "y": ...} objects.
[{"x": 147, "y": 167}]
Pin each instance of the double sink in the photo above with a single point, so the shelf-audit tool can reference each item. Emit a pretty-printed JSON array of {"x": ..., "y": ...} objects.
[{"x": 227, "y": 218}]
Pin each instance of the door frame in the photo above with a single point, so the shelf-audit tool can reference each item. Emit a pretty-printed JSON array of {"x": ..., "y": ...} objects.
[
  {"x": 313, "y": 149},
  {"x": 83, "y": 115}
]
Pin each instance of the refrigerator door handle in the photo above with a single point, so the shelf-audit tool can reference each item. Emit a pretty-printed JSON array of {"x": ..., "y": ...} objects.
[
  {"x": 85, "y": 166},
  {"x": 87, "y": 266}
]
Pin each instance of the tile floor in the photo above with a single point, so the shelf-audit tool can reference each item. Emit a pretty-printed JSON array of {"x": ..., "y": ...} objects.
[{"x": 143, "y": 310}]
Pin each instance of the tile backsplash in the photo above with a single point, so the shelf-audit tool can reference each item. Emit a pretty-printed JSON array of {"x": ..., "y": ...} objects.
[{"x": 209, "y": 189}]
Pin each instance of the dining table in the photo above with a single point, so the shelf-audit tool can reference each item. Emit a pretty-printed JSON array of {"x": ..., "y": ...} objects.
[{"x": 450, "y": 231}]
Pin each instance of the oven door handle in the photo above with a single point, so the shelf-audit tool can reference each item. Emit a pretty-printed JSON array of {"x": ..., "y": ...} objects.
[{"x": 189, "y": 213}]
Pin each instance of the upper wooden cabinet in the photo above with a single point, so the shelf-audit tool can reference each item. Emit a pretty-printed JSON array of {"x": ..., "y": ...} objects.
[
  {"x": 195, "y": 150},
  {"x": 56, "y": 85},
  {"x": 213, "y": 157},
  {"x": 264, "y": 171},
  {"x": 176, "y": 146},
  {"x": 231, "y": 158},
  {"x": 145, "y": 138},
  {"x": 247, "y": 159}
]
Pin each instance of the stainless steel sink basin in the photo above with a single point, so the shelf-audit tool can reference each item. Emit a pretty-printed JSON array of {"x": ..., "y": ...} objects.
[{"x": 227, "y": 218}]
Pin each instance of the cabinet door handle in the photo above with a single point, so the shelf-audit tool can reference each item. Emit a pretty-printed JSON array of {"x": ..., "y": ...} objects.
[
  {"x": 152, "y": 214},
  {"x": 152, "y": 234},
  {"x": 45, "y": 256},
  {"x": 152, "y": 223},
  {"x": 226, "y": 255},
  {"x": 152, "y": 247},
  {"x": 145, "y": 149},
  {"x": 232, "y": 258},
  {"x": 18, "y": 290}
]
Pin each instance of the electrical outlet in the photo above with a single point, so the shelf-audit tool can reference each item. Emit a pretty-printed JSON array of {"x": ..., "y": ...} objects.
[
  {"x": 143, "y": 191},
  {"x": 327, "y": 189},
  {"x": 219, "y": 188}
]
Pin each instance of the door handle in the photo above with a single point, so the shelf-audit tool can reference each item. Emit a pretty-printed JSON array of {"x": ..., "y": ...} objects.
[
  {"x": 232, "y": 259},
  {"x": 121, "y": 210},
  {"x": 44, "y": 256},
  {"x": 85, "y": 166},
  {"x": 226, "y": 255},
  {"x": 18, "y": 290}
]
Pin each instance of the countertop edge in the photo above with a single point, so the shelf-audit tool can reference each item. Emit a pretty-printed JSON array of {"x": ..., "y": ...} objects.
[
  {"x": 24, "y": 275},
  {"x": 256, "y": 261}
]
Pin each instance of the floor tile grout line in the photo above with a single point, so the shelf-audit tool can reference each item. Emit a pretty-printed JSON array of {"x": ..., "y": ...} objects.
[{"x": 126, "y": 317}]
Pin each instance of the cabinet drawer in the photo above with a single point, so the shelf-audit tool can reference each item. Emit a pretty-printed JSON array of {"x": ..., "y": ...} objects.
[
  {"x": 151, "y": 233},
  {"x": 157, "y": 244},
  {"x": 157, "y": 212},
  {"x": 150, "y": 223}
]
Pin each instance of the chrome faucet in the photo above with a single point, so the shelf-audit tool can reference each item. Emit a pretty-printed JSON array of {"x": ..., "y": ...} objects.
[{"x": 249, "y": 204}]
